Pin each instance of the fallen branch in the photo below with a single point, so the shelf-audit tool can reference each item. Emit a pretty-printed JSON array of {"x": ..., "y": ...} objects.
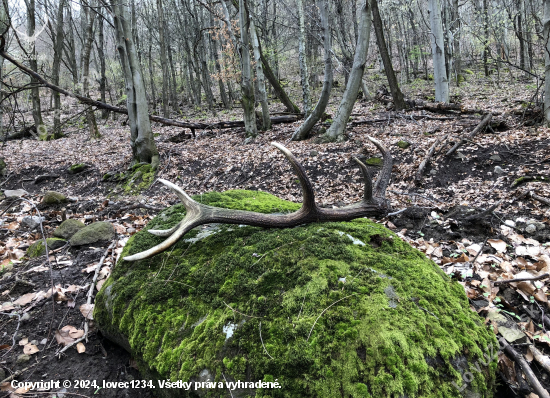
[
  {"x": 116, "y": 109},
  {"x": 484, "y": 122},
  {"x": 531, "y": 378},
  {"x": 484, "y": 212},
  {"x": 539, "y": 198},
  {"x": 542, "y": 359},
  {"x": 418, "y": 177},
  {"x": 543, "y": 276}
]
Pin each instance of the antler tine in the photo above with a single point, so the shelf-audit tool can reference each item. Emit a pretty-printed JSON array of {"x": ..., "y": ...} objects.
[
  {"x": 367, "y": 197},
  {"x": 307, "y": 188},
  {"x": 384, "y": 176}
]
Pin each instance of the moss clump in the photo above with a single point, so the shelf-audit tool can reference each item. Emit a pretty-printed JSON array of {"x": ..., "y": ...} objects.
[
  {"x": 140, "y": 177},
  {"x": 77, "y": 168},
  {"x": 467, "y": 71},
  {"x": 346, "y": 309},
  {"x": 53, "y": 198},
  {"x": 37, "y": 248},
  {"x": 68, "y": 228},
  {"x": 95, "y": 232},
  {"x": 377, "y": 162},
  {"x": 526, "y": 179},
  {"x": 403, "y": 144}
]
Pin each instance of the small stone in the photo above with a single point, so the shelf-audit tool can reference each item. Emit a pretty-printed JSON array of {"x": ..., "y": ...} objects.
[
  {"x": 131, "y": 230},
  {"x": 15, "y": 193},
  {"x": 22, "y": 359},
  {"x": 530, "y": 229},
  {"x": 52, "y": 198},
  {"x": 68, "y": 228},
  {"x": 95, "y": 232},
  {"x": 32, "y": 222},
  {"x": 510, "y": 223},
  {"x": 34, "y": 342},
  {"x": 498, "y": 170},
  {"x": 26, "y": 317},
  {"x": 496, "y": 158},
  {"x": 313, "y": 153}
]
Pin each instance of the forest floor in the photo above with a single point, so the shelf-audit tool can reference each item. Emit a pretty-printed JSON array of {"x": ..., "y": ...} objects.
[{"x": 444, "y": 217}]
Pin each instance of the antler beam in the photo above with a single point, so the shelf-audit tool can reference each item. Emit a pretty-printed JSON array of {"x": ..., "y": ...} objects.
[{"x": 373, "y": 204}]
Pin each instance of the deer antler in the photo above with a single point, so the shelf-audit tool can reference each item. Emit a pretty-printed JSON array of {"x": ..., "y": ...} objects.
[{"x": 198, "y": 214}]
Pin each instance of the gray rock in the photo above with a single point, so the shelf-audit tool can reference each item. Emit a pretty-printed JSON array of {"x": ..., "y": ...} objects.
[
  {"x": 68, "y": 228},
  {"x": 433, "y": 172},
  {"x": 530, "y": 228},
  {"x": 32, "y": 222},
  {"x": 52, "y": 198},
  {"x": 95, "y": 232},
  {"x": 313, "y": 153},
  {"x": 496, "y": 158},
  {"x": 26, "y": 317},
  {"x": 498, "y": 170},
  {"x": 22, "y": 359},
  {"x": 15, "y": 193}
]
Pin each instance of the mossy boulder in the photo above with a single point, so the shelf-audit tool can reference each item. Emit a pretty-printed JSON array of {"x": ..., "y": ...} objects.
[
  {"x": 95, "y": 232},
  {"x": 68, "y": 228},
  {"x": 325, "y": 309},
  {"x": 77, "y": 168},
  {"x": 37, "y": 248},
  {"x": 53, "y": 198}
]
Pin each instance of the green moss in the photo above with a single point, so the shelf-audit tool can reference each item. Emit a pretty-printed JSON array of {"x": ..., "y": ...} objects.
[
  {"x": 368, "y": 336},
  {"x": 467, "y": 71},
  {"x": 37, "y": 249},
  {"x": 525, "y": 179},
  {"x": 77, "y": 168},
  {"x": 374, "y": 162},
  {"x": 52, "y": 198},
  {"x": 140, "y": 177},
  {"x": 403, "y": 144}
]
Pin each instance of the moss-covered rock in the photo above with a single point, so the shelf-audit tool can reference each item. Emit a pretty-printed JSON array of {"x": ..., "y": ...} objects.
[
  {"x": 95, "y": 232},
  {"x": 140, "y": 177},
  {"x": 53, "y": 198},
  {"x": 403, "y": 144},
  {"x": 68, "y": 228},
  {"x": 328, "y": 309},
  {"x": 77, "y": 168},
  {"x": 37, "y": 248}
]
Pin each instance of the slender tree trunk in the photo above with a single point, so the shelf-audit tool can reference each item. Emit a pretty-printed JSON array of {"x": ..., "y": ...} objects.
[
  {"x": 141, "y": 135},
  {"x": 336, "y": 130},
  {"x": 486, "y": 37},
  {"x": 305, "y": 128},
  {"x": 247, "y": 87},
  {"x": 215, "y": 55},
  {"x": 397, "y": 95},
  {"x": 456, "y": 43},
  {"x": 71, "y": 52},
  {"x": 86, "y": 78},
  {"x": 304, "y": 75},
  {"x": 546, "y": 41},
  {"x": 266, "y": 121},
  {"x": 163, "y": 59},
  {"x": 4, "y": 24},
  {"x": 33, "y": 63},
  {"x": 58, "y": 53},
  {"x": 438, "y": 53},
  {"x": 103, "y": 78}
]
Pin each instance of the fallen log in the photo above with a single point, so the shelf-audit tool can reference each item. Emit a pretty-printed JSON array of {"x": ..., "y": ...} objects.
[
  {"x": 540, "y": 198},
  {"x": 484, "y": 122},
  {"x": 116, "y": 109}
]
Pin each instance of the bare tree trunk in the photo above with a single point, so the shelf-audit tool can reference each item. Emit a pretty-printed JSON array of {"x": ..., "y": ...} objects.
[
  {"x": 71, "y": 51},
  {"x": 397, "y": 95},
  {"x": 456, "y": 43},
  {"x": 58, "y": 53},
  {"x": 266, "y": 121},
  {"x": 247, "y": 87},
  {"x": 163, "y": 59},
  {"x": 546, "y": 40},
  {"x": 90, "y": 115},
  {"x": 438, "y": 54},
  {"x": 304, "y": 75},
  {"x": 305, "y": 128},
  {"x": 336, "y": 130},
  {"x": 103, "y": 78},
  {"x": 141, "y": 135},
  {"x": 215, "y": 55},
  {"x": 4, "y": 24},
  {"x": 33, "y": 63}
]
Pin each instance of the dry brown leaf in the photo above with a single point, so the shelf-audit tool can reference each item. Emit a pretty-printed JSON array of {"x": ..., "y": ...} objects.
[
  {"x": 30, "y": 349},
  {"x": 527, "y": 287},
  {"x": 76, "y": 333},
  {"x": 88, "y": 311},
  {"x": 24, "y": 341},
  {"x": 99, "y": 284},
  {"x": 25, "y": 299},
  {"x": 80, "y": 348},
  {"x": 540, "y": 296},
  {"x": 497, "y": 244}
]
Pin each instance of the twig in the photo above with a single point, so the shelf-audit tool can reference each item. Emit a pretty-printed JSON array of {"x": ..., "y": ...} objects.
[
  {"x": 396, "y": 212},
  {"x": 337, "y": 301},
  {"x": 543, "y": 276},
  {"x": 262, "y": 340},
  {"x": 227, "y": 385},
  {"x": 539, "y": 198},
  {"x": 531, "y": 378},
  {"x": 418, "y": 177},
  {"x": 542, "y": 359},
  {"x": 484, "y": 212},
  {"x": 480, "y": 250},
  {"x": 479, "y": 127}
]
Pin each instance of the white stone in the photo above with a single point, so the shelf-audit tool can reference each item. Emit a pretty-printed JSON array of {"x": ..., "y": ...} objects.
[
  {"x": 530, "y": 229},
  {"x": 510, "y": 223}
]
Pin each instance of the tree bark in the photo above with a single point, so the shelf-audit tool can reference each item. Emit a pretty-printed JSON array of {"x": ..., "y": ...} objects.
[
  {"x": 302, "y": 59},
  {"x": 90, "y": 115},
  {"x": 305, "y": 128},
  {"x": 266, "y": 122},
  {"x": 35, "y": 91},
  {"x": 438, "y": 54},
  {"x": 58, "y": 53},
  {"x": 247, "y": 87},
  {"x": 163, "y": 59},
  {"x": 141, "y": 135},
  {"x": 397, "y": 95},
  {"x": 336, "y": 130},
  {"x": 103, "y": 78}
]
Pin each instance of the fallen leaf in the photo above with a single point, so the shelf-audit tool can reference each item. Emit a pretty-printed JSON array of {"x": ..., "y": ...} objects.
[
  {"x": 24, "y": 341},
  {"x": 30, "y": 349},
  {"x": 25, "y": 299},
  {"x": 80, "y": 348},
  {"x": 88, "y": 311},
  {"x": 497, "y": 244}
]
